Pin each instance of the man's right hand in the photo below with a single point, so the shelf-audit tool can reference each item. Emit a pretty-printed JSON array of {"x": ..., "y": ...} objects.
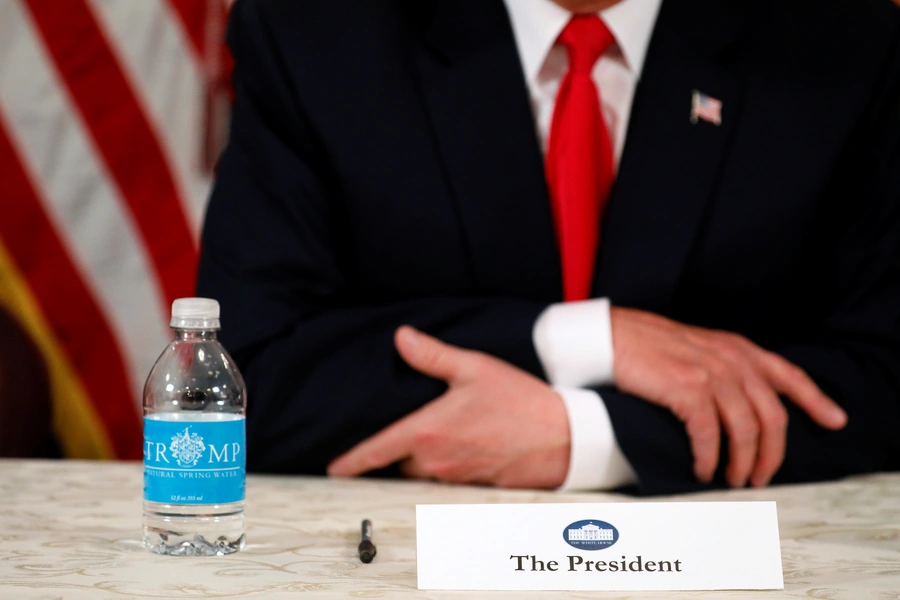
[{"x": 708, "y": 377}]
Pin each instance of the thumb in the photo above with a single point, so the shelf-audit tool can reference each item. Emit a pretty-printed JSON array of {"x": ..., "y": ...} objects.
[{"x": 429, "y": 355}]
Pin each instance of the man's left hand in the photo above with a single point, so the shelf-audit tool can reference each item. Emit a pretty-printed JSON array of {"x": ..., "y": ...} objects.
[{"x": 495, "y": 425}]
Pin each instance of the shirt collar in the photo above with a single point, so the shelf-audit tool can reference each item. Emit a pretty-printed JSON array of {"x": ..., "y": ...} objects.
[{"x": 537, "y": 24}]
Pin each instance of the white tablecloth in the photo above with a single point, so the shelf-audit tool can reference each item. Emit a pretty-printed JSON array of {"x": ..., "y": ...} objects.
[{"x": 72, "y": 530}]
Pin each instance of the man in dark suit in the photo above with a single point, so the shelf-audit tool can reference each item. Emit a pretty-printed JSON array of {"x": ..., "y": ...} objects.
[{"x": 387, "y": 167}]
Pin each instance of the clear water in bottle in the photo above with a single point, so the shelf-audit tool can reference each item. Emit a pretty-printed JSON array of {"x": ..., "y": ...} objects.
[{"x": 194, "y": 440}]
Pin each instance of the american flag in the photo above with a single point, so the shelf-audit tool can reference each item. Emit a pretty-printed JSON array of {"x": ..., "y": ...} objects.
[
  {"x": 706, "y": 108},
  {"x": 109, "y": 113}
]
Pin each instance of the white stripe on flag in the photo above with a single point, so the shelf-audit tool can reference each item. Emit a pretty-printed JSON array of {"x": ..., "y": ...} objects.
[
  {"x": 90, "y": 217},
  {"x": 158, "y": 61}
]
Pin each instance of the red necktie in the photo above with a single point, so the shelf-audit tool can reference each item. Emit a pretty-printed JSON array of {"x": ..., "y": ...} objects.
[{"x": 579, "y": 162}]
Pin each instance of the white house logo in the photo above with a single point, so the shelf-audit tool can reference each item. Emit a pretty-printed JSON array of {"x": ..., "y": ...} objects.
[
  {"x": 187, "y": 448},
  {"x": 590, "y": 535}
]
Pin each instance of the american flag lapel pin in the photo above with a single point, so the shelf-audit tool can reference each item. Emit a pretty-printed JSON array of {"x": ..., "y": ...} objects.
[{"x": 706, "y": 108}]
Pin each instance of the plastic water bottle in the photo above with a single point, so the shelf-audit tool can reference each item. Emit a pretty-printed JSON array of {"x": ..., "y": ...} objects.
[{"x": 194, "y": 440}]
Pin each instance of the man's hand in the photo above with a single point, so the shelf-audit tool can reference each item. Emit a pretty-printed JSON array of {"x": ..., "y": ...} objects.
[
  {"x": 710, "y": 377},
  {"x": 496, "y": 424}
]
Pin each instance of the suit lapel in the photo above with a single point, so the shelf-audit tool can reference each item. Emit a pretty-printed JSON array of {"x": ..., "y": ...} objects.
[
  {"x": 670, "y": 165},
  {"x": 475, "y": 94}
]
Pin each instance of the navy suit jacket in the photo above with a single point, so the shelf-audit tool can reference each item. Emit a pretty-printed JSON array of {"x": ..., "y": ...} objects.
[{"x": 383, "y": 168}]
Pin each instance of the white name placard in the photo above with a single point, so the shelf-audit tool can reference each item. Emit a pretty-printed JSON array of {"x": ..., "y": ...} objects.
[{"x": 617, "y": 546}]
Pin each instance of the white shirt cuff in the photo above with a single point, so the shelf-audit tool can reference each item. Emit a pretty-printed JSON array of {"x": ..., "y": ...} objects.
[
  {"x": 574, "y": 343},
  {"x": 595, "y": 461}
]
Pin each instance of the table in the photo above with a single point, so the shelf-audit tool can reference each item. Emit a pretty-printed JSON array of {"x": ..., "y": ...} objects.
[{"x": 71, "y": 530}]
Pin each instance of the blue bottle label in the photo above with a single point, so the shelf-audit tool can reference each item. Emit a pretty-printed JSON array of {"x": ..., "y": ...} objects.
[{"x": 194, "y": 461}]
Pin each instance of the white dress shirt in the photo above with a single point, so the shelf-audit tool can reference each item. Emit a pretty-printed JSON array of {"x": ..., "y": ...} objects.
[{"x": 574, "y": 340}]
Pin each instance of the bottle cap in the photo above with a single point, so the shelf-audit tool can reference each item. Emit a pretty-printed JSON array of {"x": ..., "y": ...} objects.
[{"x": 195, "y": 313}]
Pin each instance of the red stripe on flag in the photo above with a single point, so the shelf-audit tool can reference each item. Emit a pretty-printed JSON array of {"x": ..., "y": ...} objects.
[
  {"x": 193, "y": 15},
  {"x": 123, "y": 136},
  {"x": 67, "y": 303}
]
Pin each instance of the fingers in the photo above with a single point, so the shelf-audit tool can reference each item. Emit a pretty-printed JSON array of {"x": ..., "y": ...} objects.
[
  {"x": 386, "y": 447},
  {"x": 740, "y": 422},
  {"x": 765, "y": 375},
  {"x": 412, "y": 469},
  {"x": 397, "y": 442},
  {"x": 431, "y": 356},
  {"x": 752, "y": 416},
  {"x": 773, "y": 420},
  {"x": 697, "y": 409},
  {"x": 715, "y": 381},
  {"x": 703, "y": 430},
  {"x": 792, "y": 381}
]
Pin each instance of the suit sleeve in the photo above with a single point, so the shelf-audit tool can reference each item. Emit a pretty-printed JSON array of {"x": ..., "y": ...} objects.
[
  {"x": 854, "y": 352},
  {"x": 320, "y": 367}
]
